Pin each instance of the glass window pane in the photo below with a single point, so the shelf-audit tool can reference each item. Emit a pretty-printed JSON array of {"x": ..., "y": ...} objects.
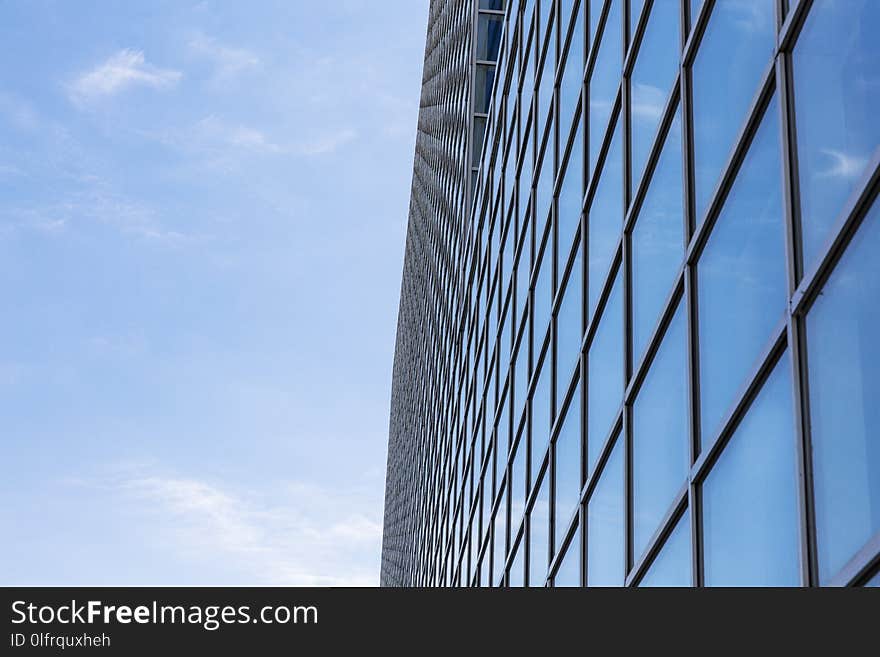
[
  {"x": 489, "y": 30},
  {"x": 517, "y": 568},
  {"x": 605, "y": 80},
  {"x": 741, "y": 276},
  {"x": 541, "y": 416},
  {"x": 571, "y": 84},
  {"x": 518, "y": 484},
  {"x": 568, "y": 467},
  {"x": 672, "y": 566},
  {"x": 543, "y": 296},
  {"x": 539, "y": 536},
  {"x": 653, "y": 75},
  {"x": 605, "y": 220},
  {"x": 605, "y": 525},
  {"x": 520, "y": 381},
  {"x": 479, "y": 133},
  {"x": 546, "y": 83},
  {"x": 569, "y": 572},
  {"x": 837, "y": 98},
  {"x": 605, "y": 375},
  {"x": 571, "y": 192},
  {"x": 569, "y": 325},
  {"x": 874, "y": 582},
  {"x": 499, "y": 543},
  {"x": 635, "y": 10},
  {"x": 737, "y": 48},
  {"x": 660, "y": 434},
  {"x": 544, "y": 189},
  {"x": 485, "y": 78},
  {"x": 657, "y": 241},
  {"x": 750, "y": 518},
  {"x": 843, "y": 342}
]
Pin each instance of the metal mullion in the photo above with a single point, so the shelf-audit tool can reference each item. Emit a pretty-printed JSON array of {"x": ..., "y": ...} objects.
[
  {"x": 737, "y": 155},
  {"x": 697, "y": 29},
  {"x": 860, "y": 566},
  {"x": 607, "y": 137},
  {"x": 593, "y": 49},
  {"x": 657, "y": 144},
  {"x": 795, "y": 335},
  {"x": 791, "y": 27},
  {"x": 566, "y": 543},
  {"x": 742, "y": 401},
  {"x": 657, "y": 541},
  {"x": 635, "y": 42},
  {"x": 565, "y": 271}
]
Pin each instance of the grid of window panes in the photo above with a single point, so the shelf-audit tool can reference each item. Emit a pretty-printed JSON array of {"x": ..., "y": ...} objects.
[{"x": 663, "y": 362}]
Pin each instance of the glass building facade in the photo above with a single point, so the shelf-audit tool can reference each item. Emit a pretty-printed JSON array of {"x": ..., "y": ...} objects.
[{"x": 639, "y": 331}]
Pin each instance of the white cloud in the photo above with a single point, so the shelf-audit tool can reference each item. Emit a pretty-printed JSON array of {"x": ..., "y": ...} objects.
[
  {"x": 213, "y": 129},
  {"x": 229, "y": 61},
  {"x": 843, "y": 165},
  {"x": 296, "y": 534},
  {"x": 123, "y": 69}
]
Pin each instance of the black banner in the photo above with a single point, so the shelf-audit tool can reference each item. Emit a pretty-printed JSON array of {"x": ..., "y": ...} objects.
[{"x": 150, "y": 621}]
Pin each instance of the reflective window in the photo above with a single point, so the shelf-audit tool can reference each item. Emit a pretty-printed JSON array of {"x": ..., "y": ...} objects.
[
  {"x": 485, "y": 78},
  {"x": 569, "y": 325},
  {"x": 672, "y": 566},
  {"x": 541, "y": 416},
  {"x": 741, "y": 276},
  {"x": 520, "y": 380},
  {"x": 737, "y": 48},
  {"x": 605, "y": 80},
  {"x": 545, "y": 90},
  {"x": 605, "y": 220},
  {"x": 843, "y": 342},
  {"x": 605, "y": 525},
  {"x": 605, "y": 375},
  {"x": 569, "y": 572},
  {"x": 517, "y": 569},
  {"x": 499, "y": 542},
  {"x": 657, "y": 241},
  {"x": 874, "y": 582},
  {"x": 518, "y": 483},
  {"x": 492, "y": 4},
  {"x": 477, "y": 146},
  {"x": 653, "y": 75},
  {"x": 750, "y": 520},
  {"x": 568, "y": 467},
  {"x": 544, "y": 189},
  {"x": 661, "y": 458},
  {"x": 571, "y": 84},
  {"x": 837, "y": 100},
  {"x": 571, "y": 192},
  {"x": 543, "y": 296},
  {"x": 489, "y": 30},
  {"x": 595, "y": 14},
  {"x": 539, "y": 535}
]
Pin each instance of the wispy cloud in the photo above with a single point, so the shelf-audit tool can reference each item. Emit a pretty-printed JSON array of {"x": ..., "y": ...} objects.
[
  {"x": 229, "y": 61},
  {"x": 843, "y": 165},
  {"x": 293, "y": 534},
  {"x": 213, "y": 129},
  {"x": 122, "y": 70}
]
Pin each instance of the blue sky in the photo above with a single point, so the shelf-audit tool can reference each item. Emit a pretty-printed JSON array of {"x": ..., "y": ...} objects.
[{"x": 201, "y": 236}]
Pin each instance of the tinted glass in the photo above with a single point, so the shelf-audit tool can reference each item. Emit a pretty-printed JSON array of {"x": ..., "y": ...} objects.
[
  {"x": 539, "y": 535},
  {"x": 569, "y": 325},
  {"x": 569, "y": 572},
  {"x": 541, "y": 416},
  {"x": 605, "y": 220},
  {"x": 736, "y": 48},
  {"x": 653, "y": 75},
  {"x": 605, "y": 375},
  {"x": 571, "y": 192},
  {"x": 568, "y": 467},
  {"x": 571, "y": 85},
  {"x": 660, "y": 434},
  {"x": 485, "y": 78},
  {"x": 837, "y": 99},
  {"x": 741, "y": 276},
  {"x": 605, "y": 80},
  {"x": 750, "y": 521},
  {"x": 657, "y": 241},
  {"x": 489, "y": 30},
  {"x": 543, "y": 296},
  {"x": 843, "y": 342},
  {"x": 518, "y": 484},
  {"x": 672, "y": 566},
  {"x": 605, "y": 525}
]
